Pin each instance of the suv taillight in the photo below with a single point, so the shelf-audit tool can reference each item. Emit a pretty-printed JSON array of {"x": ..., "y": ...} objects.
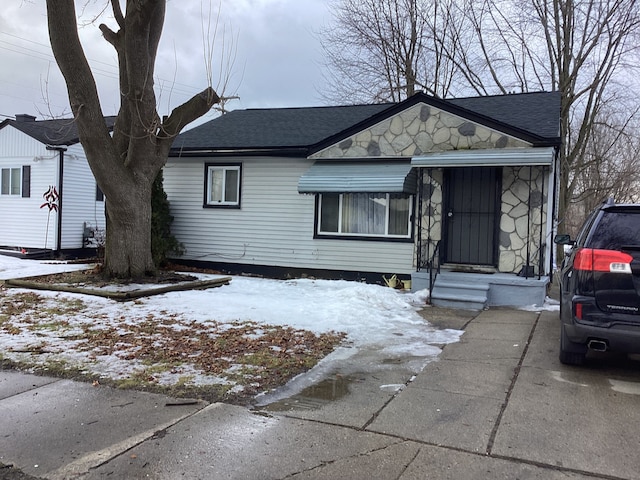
[{"x": 596, "y": 260}]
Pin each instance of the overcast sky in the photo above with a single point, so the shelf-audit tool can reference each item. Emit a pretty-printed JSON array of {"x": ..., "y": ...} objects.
[{"x": 277, "y": 63}]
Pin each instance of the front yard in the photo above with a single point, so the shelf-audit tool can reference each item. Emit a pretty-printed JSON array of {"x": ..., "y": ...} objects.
[{"x": 229, "y": 343}]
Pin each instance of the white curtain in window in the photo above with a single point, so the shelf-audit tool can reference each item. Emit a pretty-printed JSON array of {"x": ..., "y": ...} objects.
[
  {"x": 398, "y": 214},
  {"x": 215, "y": 185},
  {"x": 364, "y": 213}
]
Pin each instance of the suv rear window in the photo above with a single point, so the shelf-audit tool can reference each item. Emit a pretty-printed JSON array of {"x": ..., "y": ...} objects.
[{"x": 616, "y": 229}]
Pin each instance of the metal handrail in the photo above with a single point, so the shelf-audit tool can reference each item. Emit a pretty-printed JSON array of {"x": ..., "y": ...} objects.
[{"x": 434, "y": 261}]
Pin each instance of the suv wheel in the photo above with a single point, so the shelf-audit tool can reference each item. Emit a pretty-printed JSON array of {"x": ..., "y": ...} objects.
[{"x": 571, "y": 353}]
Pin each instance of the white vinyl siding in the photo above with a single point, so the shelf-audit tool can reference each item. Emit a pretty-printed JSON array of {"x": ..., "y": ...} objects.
[
  {"x": 274, "y": 227},
  {"x": 80, "y": 206},
  {"x": 24, "y": 223}
]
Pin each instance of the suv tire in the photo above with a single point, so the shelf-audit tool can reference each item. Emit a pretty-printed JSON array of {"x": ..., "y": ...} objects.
[{"x": 571, "y": 353}]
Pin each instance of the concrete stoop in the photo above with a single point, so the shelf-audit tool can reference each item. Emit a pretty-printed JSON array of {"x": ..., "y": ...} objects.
[
  {"x": 456, "y": 294},
  {"x": 476, "y": 291}
]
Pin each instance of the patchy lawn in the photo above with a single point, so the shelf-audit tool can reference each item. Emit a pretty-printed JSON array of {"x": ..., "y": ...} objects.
[
  {"x": 228, "y": 343},
  {"x": 70, "y": 336}
]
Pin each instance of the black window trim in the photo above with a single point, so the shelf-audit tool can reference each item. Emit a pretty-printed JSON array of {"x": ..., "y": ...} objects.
[
  {"x": 368, "y": 238},
  {"x": 207, "y": 165},
  {"x": 26, "y": 181},
  {"x": 99, "y": 194}
]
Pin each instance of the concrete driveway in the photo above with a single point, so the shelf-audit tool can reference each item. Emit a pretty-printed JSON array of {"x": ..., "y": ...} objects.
[{"x": 498, "y": 404}]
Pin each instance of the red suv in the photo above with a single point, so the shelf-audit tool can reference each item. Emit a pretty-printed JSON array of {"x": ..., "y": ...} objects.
[{"x": 600, "y": 284}]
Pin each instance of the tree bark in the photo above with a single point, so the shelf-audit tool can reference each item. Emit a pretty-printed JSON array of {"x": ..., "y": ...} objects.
[
  {"x": 126, "y": 163},
  {"x": 128, "y": 243}
]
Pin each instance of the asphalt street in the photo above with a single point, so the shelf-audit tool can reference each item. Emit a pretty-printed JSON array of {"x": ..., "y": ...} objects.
[{"x": 496, "y": 405}]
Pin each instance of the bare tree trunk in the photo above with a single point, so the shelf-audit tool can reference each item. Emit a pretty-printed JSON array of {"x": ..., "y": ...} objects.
[
  {"x": 126, "y": 163},
  {"x": 128, "y": 246}
]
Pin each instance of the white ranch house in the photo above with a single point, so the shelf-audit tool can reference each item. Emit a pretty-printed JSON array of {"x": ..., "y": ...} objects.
[{"x": 454, "y": 195}]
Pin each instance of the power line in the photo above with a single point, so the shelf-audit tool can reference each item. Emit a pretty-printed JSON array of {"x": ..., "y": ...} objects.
[{"x": 177, "y": 87}]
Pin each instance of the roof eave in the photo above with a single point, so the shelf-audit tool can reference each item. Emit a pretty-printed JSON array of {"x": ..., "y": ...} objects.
[{"x": 297, "y": 152}]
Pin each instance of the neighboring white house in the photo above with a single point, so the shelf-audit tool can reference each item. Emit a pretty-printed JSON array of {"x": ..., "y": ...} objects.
[
  {"x": 455, "y": 195},
  {"x": 49, "y": 200}
]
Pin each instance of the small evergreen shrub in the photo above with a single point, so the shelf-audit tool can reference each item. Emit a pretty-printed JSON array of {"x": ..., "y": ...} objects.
[{"x": 163, "y": 243}]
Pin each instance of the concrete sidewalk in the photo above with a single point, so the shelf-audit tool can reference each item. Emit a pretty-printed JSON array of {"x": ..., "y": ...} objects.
[{"x": 495, "y": 405}]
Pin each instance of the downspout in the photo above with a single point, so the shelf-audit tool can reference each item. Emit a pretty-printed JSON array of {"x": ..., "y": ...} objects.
[
  {"x": 527, "y": 267},
  {"x": 541, "y": 252},
  {"x": 419, "y": 223},
  {"x": 554, "y": 206},
  {"x": 60, "y": 151}
]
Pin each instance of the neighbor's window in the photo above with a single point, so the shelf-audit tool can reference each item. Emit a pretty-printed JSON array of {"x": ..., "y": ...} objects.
[
  {"x": 12, "y": 181},
  {"x": 365, "y": 214},
  {"x": 223, "y": 185}
]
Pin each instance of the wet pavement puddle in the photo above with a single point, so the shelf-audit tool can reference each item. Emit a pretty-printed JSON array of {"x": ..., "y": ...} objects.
[{"x": 317, "y": 395}]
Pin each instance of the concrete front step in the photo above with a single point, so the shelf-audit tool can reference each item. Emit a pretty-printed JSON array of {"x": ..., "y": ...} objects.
[
  {"x": 500, "y": 289},
  {"x": 455, "y": 294}
]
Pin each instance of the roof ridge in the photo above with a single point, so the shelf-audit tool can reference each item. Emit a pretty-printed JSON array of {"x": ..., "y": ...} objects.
[{"x": 314, "y": 107}]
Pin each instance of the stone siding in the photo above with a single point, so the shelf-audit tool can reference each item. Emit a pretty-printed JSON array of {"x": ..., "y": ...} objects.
[
  {"x": 516, "y": 222},
  {"x": 432, "y": 199},
  {"x": 418, "y": 130},
  {"x": 523, "y": 215}
]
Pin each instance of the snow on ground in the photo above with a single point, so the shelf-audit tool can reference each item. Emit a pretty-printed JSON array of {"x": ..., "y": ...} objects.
[
  {"x": 550, "y": 305},
  {"x": 375, "y": 318},
  {"x": 12, "y": 267}
]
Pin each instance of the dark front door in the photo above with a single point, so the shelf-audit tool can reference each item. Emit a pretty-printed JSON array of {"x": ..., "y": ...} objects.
[{"x": 470, "y": 215}]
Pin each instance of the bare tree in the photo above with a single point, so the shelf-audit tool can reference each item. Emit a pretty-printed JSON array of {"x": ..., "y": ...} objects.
[
  {"x": 384, "y": 50},
  {"x": 610, "y": 168},
  {"x": 126, "y": 163},
  {"x": 584, "y": 49}
]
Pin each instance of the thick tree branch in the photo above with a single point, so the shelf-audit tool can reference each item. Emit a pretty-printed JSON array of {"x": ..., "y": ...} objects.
[
  {"x": 186, "y": 113},
  {"x": 117, "y": 12},
  {"x": 81, "y": 86}
]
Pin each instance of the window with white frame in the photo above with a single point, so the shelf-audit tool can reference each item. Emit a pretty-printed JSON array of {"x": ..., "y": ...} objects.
[
  {"x": 222, "y": 185},
  {"x": 15, "y": 181},
  {"x": 386, "y": 215}
]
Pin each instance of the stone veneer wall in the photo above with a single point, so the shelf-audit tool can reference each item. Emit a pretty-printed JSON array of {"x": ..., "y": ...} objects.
[
  {"x": 514, "y": 216},
  {"x": 432, "y": 197},
  {"x": 419, "y": 129},
  {"x": 524, "y": 213}
]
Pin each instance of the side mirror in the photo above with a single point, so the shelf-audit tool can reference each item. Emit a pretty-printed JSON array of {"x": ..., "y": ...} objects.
[{"x": 563, "y": 240}]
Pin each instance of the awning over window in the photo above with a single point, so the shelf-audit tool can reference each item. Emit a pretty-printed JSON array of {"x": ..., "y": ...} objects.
[
  {"x": 486, "y": 158},
  {"x": 371, "y": 177}
]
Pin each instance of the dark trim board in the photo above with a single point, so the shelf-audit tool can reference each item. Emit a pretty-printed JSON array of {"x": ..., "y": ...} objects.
[
  {"x": 90, "y": 254},
  {"x": 286, "y": 273}
]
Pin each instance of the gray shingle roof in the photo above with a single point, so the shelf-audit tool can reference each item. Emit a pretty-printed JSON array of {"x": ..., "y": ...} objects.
[
  {"x": 538, "y": 113},
  {"x": 58, "y": 132},
  {"x": 275, "y": 127},
  {"x": 534, "y": 114}
]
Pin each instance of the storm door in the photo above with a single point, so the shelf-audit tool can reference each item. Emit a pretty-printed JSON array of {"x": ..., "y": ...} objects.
[{"x": 471, "y": 207}]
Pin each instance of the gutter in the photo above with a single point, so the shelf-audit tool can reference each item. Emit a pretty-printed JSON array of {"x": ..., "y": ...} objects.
[{"x": 296, "y": 152}]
